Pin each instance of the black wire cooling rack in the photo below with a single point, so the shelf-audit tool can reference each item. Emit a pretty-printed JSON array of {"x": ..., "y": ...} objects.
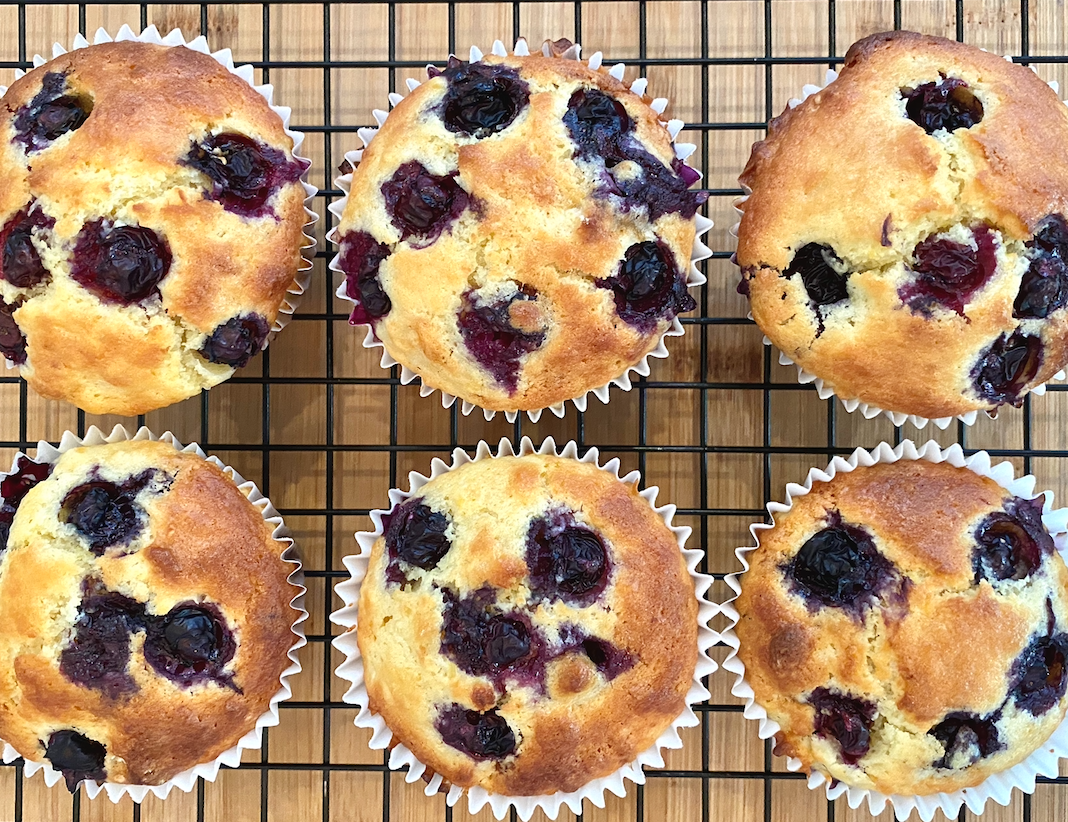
[{"x": 775, "y": 449}]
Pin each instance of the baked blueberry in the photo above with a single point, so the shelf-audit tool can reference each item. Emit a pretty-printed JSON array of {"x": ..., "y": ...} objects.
[
  {"x": 966, "y": 738},
  {"x": 236, "y": 341},
  {"x": 416, "y": 535},
  {"x": 20, "y": 263},
  {"x": 12, "y": 340},
  {"x": 50, "y": 114},
  {"x": 946, "y": 105},
  {"x": 648, "y": 286},
  {"x": 244, "y": 173},
  {"x": 76, "y": 756},
  {"x": 1004, "y": 368},
  {"x": 1044, "y": 286},
  {"x": 845, "y": 719},
  {"x": 490, "y": 334},
  {"x": 566, "y": 561},
  {"x": 479, "y": 735},
  {"x": 98, "y": 654},
  {"x": 482, "y": 98},
  {"x": 14, "y": 487},
  {"x": 840, "y": 567},
  {"x": 191, "y": 643},
  {"x": 1039, "y": 675},
  {"x": 822, "y": 273},
  {"x": 423, "y": 205},
  {"x": 483, "y": 640},
  {"x": 598, "y": 122},
  {"x": 107, "y": 514},
  {"x": 1011, "y": 545},
  {"x": 609, "y": 659},
  {"x": 361, "y": 256},
  {"x": 948, "y": 273},
  {"x": 122, "y": 264}
]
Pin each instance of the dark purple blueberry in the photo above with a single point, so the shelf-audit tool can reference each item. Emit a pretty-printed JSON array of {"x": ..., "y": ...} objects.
[
  {"x": 479, "y": 735},
  {"x": 493, "y": 340},
  {"x": 244, "y": 173},
  {"x": 649, "y": 286},
  {"x": 482, "y": 99},
  {"x": 819, "y": 268},
  {"x": 966, "y": 738},
  {"x": 1039, "y": 675},
  {"x": 421, "y": 204},
  {"x": 20, "y": 263},
  {"x": 484, "y": 641},
  {"x": 566, "y": 561},
  {"x": 598, "y": 123},
  {"x": 1006, "y": 367},
  {"x": 123, "y": 264},
  {"x": 12, "y": 340},
  {"x": 77, "y": 757},
  {"x": 191, "y": 643},
  {"x": 1044, "y": 287},
  {"x": 845, "y": 719},
  {"x": 947, "y": 105},
  {"x": 361, "y": 256},
  {"x": 236, "y": 341},
  {"x": 948, "y": 273},
  {"x": 15, "y": 486},
  {"x": 839, "y": 567},
  {"x": 99, "y": 652},
  {"x": 601, "y": 128},
  {"x": 1011, "y": 545},
  {"x": 104, "y": 513},
  {"x": 50, "y": 114},
  {"x": 416, "y": 535},
  {"x": 606, "y": 657}
]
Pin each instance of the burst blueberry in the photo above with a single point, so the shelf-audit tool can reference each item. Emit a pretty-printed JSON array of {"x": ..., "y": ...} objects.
[
  {"x": 98, "y": 654},
  {"x": 493, "y": 339},
  {"x": 191, "y": 643},
  {"x": 361, "y": 257},
  {"x": 12, "y": 340},
  {"x": 648, "y": 287},
  {"x": 122, "y": 264},
  {"x": 1044, "y": 286},
  {"x": 76, "y": 756},
  {"x": 1004, "y": 369},
  {"x": 845, "y": 719},
  {"x": 566, "y": 561},
  {"x": 14, "y": 487},
  {"x": 948, "y": 273},
  {"x": 50, "y": 114},
  {"x": 236, "y": 341},
  {"x": 479, "y": 735},
  {"x": 482, "y": 98},
  {"x": 966, "y": 738},
  {"x": 946, "y": 105},
  {"x": 821, "y": 272},
  {"x": 1011, "y": 544},
  {"x": 423, "y": 205},
  {"x": 484, "y": 640},
  {"x": 20, "y": 263},
  {"x": 1039, "y": 675},
  {"x": 416, "y": 534}
]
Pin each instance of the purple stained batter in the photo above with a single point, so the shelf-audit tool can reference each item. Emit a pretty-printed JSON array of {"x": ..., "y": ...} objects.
[{"x": 495, "y": 343}]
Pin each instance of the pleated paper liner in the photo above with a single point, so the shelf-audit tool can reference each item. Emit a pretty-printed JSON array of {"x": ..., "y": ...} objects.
[
  {"x": 187, "y": 780},
  {"x": 1044, "y": 761},
  {"x": 642, "y": 368},
  {"x": 351, "y": 669}
]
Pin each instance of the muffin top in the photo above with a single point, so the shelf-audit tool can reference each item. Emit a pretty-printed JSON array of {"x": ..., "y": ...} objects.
[
  {"x": 905, "y": 625},
  {"x": 144, "y": 613},
  {"x": 519, "y": 231},
  {"x": 532, "y": 646},
  {"x": 905, "y": 239},
  {"x": 152, "y": 217}
]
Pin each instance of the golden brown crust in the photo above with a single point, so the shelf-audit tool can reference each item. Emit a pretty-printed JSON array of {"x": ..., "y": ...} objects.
[
  {"x": 98, "y": 355},
  {"x": 937, "y": 644},
  {"x": 204, "y": 542},
  {"x": 538, "y": 223},
  {"x": 583, "y": 725},
  {"x": 903, "y": 186}
]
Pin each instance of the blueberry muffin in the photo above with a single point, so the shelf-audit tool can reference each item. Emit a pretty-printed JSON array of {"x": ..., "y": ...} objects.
[
  {"x": 145, "y": 613},
  {"x": 906, "y": 625},
  {"x": 906, "y": 239},
  {"x": 527, "y": 625},
  {"x": 151, "y": 221},
  {"x": 519, "y": 231}
]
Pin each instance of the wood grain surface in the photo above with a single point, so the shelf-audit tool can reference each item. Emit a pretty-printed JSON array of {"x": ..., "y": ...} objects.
[{"x": 744, "y": 428}]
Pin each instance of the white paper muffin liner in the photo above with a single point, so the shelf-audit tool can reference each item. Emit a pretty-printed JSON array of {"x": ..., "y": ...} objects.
[
  {"x": 694, "y": 277},
  {"x": 999, "y": 786},
  {"x": 187, "y": 780},
  {"x": 226, "y": 59},
  {"x": 824, "y": 390},
  {"x": 351, "y": 669}
]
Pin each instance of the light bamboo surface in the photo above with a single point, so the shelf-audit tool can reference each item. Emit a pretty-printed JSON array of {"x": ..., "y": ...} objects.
[{"x": 361, "y": 413}]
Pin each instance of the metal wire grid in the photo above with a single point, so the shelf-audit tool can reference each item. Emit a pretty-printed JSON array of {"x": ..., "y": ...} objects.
[{"x": 766, "y": 451}]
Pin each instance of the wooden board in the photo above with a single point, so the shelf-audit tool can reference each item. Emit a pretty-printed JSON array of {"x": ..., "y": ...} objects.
[{"x": 727, "y": 456}]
